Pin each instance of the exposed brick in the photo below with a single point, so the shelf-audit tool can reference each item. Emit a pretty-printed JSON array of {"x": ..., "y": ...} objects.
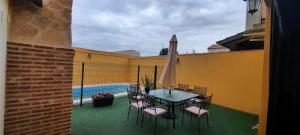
[
  {"x": 42, "y": 79},
  {"x": 13, "y": 48},
  {"x": 31, "y": 75},
  {"x": 24, "y": 79},
  {"x": 19, "y": 62},
  {"x": 31, "y": 58},
  {"x": 18, "y": 87},
  {"x": 44, "y": 63},
  {"x": 32, "y": 50},
  {"x": 41, "y": 70},
  {"x": 18, "y": 44},
  {"x": 44, "y": 47},
  {"x": 45, "y": 55},
  {"x": 14, "y": 53},
  {"x": 38, "y": 89},
  {"x": 12, "y": 57},
  {"x": 18, "y": 70},
  {"x": 31, "y": 66}
]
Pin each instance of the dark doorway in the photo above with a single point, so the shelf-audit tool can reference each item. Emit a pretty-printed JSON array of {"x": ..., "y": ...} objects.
[{"x": 284, "y": 96}]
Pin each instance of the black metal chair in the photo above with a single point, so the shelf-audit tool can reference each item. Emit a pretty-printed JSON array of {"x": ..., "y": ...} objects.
[
  {"x": 150, "y": 107},
  {"x": 183, "y": 87},
  {"x": 134, "y": 101},
  {"x": 201, "y": 91},
  {"x": 199, "y": 109},
  {"x": 135, "y": 88}
]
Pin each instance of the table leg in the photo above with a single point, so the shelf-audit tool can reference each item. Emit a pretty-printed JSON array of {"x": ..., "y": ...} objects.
[
  {"x": 173, "y": 111},
  {"x": 169, "y": 107}
]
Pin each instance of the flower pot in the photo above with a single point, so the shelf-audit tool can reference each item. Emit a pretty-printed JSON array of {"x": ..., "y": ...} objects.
[
  {"x": 103, "y": 99},
  {"x": 147, "y": 90}
]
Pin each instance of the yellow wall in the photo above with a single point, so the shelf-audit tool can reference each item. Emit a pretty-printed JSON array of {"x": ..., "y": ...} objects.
[
  {"x": 235, "y": 78},
  {"x": 265, "y": 88},
  {"x": 114, "y": 67},
  {"x": 99, "y": 56},
  {"x": 146, "y": 67}
]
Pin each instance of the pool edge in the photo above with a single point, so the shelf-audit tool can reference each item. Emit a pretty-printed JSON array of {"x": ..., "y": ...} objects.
[{"x": 89, "y": 100}]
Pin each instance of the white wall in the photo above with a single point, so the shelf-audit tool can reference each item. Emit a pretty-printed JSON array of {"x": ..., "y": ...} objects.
[
  {"x": 3, "y": 40},
  {"x": 256, "y": 17},
  {"x": 218, "y": 50}
]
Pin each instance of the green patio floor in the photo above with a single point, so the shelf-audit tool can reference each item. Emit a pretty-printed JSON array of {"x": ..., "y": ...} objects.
[{"x": 112, "y": 120}]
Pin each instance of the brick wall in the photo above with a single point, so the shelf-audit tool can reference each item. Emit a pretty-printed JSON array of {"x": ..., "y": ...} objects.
[{"x": 38, "y": 89}]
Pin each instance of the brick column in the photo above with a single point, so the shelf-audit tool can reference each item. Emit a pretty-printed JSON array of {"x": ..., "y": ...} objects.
[{"x": 38, "y": 89}]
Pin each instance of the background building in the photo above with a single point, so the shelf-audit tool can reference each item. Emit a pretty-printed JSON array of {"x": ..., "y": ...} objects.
[
  {"x": 128, "y": 52},
  {"x": 253, "y": 36},
  {"x": 257, "y": 19},
  {"x": 217, "y": 48}
]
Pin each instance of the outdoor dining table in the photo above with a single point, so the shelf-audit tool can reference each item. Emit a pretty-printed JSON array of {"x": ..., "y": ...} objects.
[{"x": 176, "y": 96}]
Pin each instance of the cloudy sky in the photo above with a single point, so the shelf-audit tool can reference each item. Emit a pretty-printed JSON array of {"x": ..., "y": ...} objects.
[{"x": 147, "y": 25}]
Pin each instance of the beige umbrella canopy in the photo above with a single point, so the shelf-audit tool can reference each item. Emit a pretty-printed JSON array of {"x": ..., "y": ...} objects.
[{"x": 168, "y": 76}]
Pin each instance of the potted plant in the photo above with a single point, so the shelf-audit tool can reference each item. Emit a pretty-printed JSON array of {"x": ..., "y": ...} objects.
[
  {"x": 102, "y": 99},
  {"x": 147, "y": 82}
]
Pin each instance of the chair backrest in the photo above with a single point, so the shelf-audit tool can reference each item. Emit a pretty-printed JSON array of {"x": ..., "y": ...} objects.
[
  {"x": 132, "y": 96},
  {"x": 183, "y": 87},
  {"x": 200, "y": 90},
  {"x": 207, "y": 101},
  {"x": 148, "y": 100},
  {"x": 133, "y": 87}
]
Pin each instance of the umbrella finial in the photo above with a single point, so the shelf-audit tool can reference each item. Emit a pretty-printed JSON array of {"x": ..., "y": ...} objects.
[{"x": 173, "y": 39}]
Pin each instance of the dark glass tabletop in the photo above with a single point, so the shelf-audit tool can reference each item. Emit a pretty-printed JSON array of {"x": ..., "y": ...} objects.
[{"x": 176, "y": 96}]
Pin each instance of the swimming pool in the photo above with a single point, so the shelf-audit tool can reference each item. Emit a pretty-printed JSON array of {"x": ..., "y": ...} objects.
[{"x": 88, "y": 91}]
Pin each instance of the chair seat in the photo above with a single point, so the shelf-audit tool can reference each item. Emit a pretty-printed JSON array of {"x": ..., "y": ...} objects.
[
  {"x": 197, "y": 100},
  {"x": 151, "y": 111},
  {"x": 195, "y": 110},
  {"x": 137, "y": 105},
  {"x": 138, "y": 97}
]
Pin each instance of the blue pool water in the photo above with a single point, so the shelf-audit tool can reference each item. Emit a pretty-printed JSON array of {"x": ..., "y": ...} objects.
[{"x": 89, "y": 91}]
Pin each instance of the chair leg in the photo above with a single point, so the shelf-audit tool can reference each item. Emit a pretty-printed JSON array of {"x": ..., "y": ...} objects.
[
  {"x": 143, "y": 114},
  {"x": 137, "y": 117},
  {"x": 128, "y": 112},
  {"x": 182, "y": 117},
  {"x": 207, "y": 120},
  {"x": 198, "y": 125},
  {"x": 167, "y": 123},
  {"x": 155, "y": 126}
]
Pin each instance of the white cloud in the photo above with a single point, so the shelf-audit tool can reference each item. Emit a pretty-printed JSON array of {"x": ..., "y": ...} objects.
[{"x": 148, "y": 25}]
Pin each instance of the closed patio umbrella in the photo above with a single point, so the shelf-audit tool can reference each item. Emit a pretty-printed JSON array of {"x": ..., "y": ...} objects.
[{"x": 168, "y": 76}]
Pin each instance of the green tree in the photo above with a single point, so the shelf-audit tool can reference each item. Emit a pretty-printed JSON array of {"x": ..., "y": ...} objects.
[{"x": 163, "y": 51}]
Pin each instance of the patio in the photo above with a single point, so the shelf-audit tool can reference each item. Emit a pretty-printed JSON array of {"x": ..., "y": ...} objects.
[{"x": 112, "y": 120}]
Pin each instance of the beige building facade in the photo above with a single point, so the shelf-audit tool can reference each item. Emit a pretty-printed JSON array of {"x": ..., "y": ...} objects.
[{"x": 257, "y": 19}]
